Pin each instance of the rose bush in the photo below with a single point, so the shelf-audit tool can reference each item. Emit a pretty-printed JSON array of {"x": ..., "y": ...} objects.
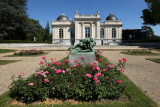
[
  {"x": 56, "y": 79},
  {"x": 28, "y": 52}
]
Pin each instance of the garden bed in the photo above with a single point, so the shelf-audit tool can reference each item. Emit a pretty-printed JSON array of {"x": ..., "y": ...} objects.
[
  {"x": 139, "y": 52},
  {"x": 135, "y": 97},
  {"x": 31, "y": 52}
]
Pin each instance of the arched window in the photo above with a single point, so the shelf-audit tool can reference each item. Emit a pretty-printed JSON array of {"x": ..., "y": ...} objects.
[
  {"x": 113, "y": 33},
  {"x": 102, "y": 33},
  {"x": 61, "y": 33}
]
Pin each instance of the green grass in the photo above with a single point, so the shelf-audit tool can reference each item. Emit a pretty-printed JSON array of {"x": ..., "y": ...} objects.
[
  {"x": 137, "y": 98},
  {"x": 6, "y": 50},
  {"x": 25, "y": 55},
  {"x": 4, "y": 62},
  {"x": 157, "y": 49},
  {"x": 157, "y": 60},
  {"x": 139, "y": 52}
]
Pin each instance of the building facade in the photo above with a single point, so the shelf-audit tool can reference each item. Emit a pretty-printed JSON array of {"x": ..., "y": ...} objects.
[{"x": 67, "y": 32}]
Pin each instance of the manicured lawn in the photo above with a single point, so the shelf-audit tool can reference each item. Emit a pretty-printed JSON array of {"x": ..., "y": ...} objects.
[
  {"x": 4, "y": 62},
  {"x": 139, "y": 52},
  {"x": 6, "y": 50},
  {"x": 157, "y": 60}
]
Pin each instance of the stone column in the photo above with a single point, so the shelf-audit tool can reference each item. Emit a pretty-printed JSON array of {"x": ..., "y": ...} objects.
[
  {"x": 92, "y": 30},
  {"x": 76, "y": 30},
  {"x": 98, "y": 30}
]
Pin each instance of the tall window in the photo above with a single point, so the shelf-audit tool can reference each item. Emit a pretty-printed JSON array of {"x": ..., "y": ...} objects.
[
  {"x": 113, "y": 33},
  {"x": 102, "y": 33},
  {"x": 61, "y": 33},
  {"x": 87, "y": 32}
]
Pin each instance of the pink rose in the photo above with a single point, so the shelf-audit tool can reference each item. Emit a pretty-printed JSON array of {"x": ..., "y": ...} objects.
[
  {"x": 104, "y": 70},
  {"x": 63, "y": 72},
  {"x": 46, "y": 80},
  {"x": 58, "y": 71},
  {"x": 119, "y": 81},
  {"x": 111, "y": 66},
  {"x": 100, "y": 60},
  {"x": 67, "y": 61},
  {"x": 120, "y": 60},
  {"x": 82, "y": 58},
  {"x": 75, "y": 61},
  {"x": 44, "y": 57},
  {"x": 88, "y": 75},
  {"x": 51, "y": 58},
  {"x": 96, "y": 81},
  {"x": 20, "y": 74},
  {"x": 96, "y": 68},
  {"x": 98, "y": 53},
  {"x": 106, "y": 77},
  {"x": 95, "y": 78},
  {"x": 41, "y": 63},
  {"x": 68, "y": 69},
  {"x": 124, "y": 59},
  {"x": 47, "y": 72},
  {"x": 98, "y": 74},
  {"x": 30, "y": 84}
]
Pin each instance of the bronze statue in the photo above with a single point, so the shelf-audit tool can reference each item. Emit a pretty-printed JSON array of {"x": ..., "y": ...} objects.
[{"x": 85, "y": 45}]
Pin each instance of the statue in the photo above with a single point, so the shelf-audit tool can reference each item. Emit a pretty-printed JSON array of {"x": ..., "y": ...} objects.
[{"x": 85, "y": 45}]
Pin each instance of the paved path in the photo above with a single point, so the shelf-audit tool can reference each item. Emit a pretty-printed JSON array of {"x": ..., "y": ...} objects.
[{"x": 143, "y": 73}]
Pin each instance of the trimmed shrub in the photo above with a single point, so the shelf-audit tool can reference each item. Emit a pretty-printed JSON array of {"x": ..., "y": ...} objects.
[{"x": 28, "y": 52}]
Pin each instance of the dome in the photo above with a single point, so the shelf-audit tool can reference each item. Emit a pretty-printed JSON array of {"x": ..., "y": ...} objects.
[
  {"x": 112, "y": 17},
  {"x": 63, "y": 17}
]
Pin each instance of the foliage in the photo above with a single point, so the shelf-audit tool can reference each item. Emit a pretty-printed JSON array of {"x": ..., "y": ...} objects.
[
  {"x": 139, "y": 52},
  {"x": 13, "y": 19},
  {"x": 16, "y": 25},
  {"x": 47, "y": 35},
  {"x": 28, "y": 52},
  {"x": 4, "y": 62},
  {"x": 34, "y": 29},
  {"x": 6, "y": 50},
  {"x": 157, "y": 60},
  {"x": 151, "y": 15},
  {"x": 60, "y": 80},
  {"x": 22, "y": 41}
]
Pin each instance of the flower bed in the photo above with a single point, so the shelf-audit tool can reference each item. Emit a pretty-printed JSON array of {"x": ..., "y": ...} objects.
[
  {"x": 28, "y": 52},
  {"x": 61, "y": 80}
]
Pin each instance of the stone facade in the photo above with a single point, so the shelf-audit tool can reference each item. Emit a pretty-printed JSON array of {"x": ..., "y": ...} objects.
[{"x": 67, "y": 32}]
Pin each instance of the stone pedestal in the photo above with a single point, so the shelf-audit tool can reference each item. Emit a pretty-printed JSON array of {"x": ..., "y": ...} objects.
[{"x": 89, "y": 57}]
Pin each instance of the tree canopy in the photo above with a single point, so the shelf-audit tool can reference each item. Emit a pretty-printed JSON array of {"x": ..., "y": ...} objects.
[
  {"x": 151, "y": 15},
  {"x": 15, "y": 23}
]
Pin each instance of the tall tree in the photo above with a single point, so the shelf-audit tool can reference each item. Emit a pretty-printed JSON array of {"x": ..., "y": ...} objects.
[
  {"x": 47, "y": 32},
  {"x": 151, "y": 16},
  {"x": 34, "y": 29},
  {"x": 13, "y": 19}
]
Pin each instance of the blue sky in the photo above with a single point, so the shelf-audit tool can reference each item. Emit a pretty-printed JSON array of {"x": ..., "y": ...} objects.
[{"x": 129, "y": 11}]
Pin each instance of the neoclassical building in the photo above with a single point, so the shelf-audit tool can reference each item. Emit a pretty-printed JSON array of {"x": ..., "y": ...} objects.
[{"x": 67, "y": 32}]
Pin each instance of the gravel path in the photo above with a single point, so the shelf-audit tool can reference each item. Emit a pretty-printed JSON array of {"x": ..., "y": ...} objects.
[
  {"x": 143, "y": 73},
  {"x": 28, "y": 65}
]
